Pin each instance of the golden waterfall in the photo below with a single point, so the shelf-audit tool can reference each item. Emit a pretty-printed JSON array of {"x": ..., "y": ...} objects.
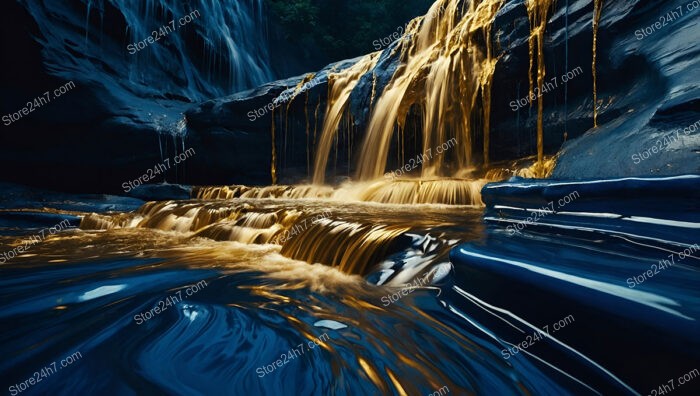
[
  {"x": 304, "y": 232},
  {"x": 442, "y": 71},
  {"x": 441, "y": 89},
  {"x": 340, "y": 87}
]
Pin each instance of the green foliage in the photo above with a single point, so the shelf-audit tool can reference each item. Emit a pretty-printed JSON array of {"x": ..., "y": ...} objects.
[{"x": 341, "y": 29}]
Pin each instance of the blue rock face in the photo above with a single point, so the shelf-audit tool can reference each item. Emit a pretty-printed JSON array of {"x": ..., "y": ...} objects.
[
  {"x": 651, "y": 102},
  {"x": 136, "y": 102},
  {"x": 647, "y": 102},
  {"x": 142, "y": 58},
  {"x": 136, "y": 68},
  {"x": 197, "y": 50},
  {"x": 621, "y": 253}
]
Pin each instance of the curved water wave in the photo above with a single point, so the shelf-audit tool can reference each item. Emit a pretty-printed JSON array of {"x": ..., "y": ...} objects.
[{"x": 257, "y": 305}]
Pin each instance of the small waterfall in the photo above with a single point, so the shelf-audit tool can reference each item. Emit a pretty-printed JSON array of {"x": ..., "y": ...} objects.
[
  {"x": 352, "y": 247},
  {"x": 421, "y": 191},
  {"x": 399, "y": 191},
  {"x": 277, "y": 191},
  {"x": 341, "y": 86},
  {"x": 315, "y": 236}
]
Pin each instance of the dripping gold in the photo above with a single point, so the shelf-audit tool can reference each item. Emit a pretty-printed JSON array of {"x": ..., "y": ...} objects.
[
  {"x": 444, "y": 69},
  {"x": 340, "y": 86},
  {"x": 547, "y": 87},
  {"x": 283, "y": 98}
]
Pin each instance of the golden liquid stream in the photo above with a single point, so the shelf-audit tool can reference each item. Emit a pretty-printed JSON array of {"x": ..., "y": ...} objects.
[
  {"x": 273, "y": 165},
  {"x": 538, "y": 10},
  {"x": 443, "y": 70},
  {"x": 444, "y": 67},
  {"x": 297, "y": 90},
  {"x": 353, "y": 243},
  {"x": 340, "y": 85}
]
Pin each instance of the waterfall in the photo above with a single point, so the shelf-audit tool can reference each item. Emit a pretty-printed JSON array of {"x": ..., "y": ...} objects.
[
  {"x": 197, "y": 50},
  {"x": 444, "y": 72},
  {"x": 443, "y": 85}
]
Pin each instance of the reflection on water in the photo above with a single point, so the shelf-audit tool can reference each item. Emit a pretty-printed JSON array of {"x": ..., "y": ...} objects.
[
  {"x": 82, "y": 288},
  {"x": 280, "y": 272}
]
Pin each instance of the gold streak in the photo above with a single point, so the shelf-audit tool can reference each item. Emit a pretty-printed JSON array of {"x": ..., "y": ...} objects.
[
  {"x": 273, "y": 167},
  {"x": 372, "y": 374},
  {"x": 306, "y": 116},
  {"x": 396, "y": 382},
  {"x": 537, "y": 10}
]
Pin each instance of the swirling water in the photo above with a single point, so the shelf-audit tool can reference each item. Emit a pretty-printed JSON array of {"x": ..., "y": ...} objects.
[{"x": 234, "y": 303}]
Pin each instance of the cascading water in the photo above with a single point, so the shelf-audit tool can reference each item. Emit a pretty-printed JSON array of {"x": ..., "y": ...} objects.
[
  {"x": 412, "y": 285},
  {"x": 341, "y": 85},
  {"x": 312, "y": 231},
  {"x": 447, "y": 65},
  {"x": 444, "y": 71},
  {"x": 218, "y": 49}
]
